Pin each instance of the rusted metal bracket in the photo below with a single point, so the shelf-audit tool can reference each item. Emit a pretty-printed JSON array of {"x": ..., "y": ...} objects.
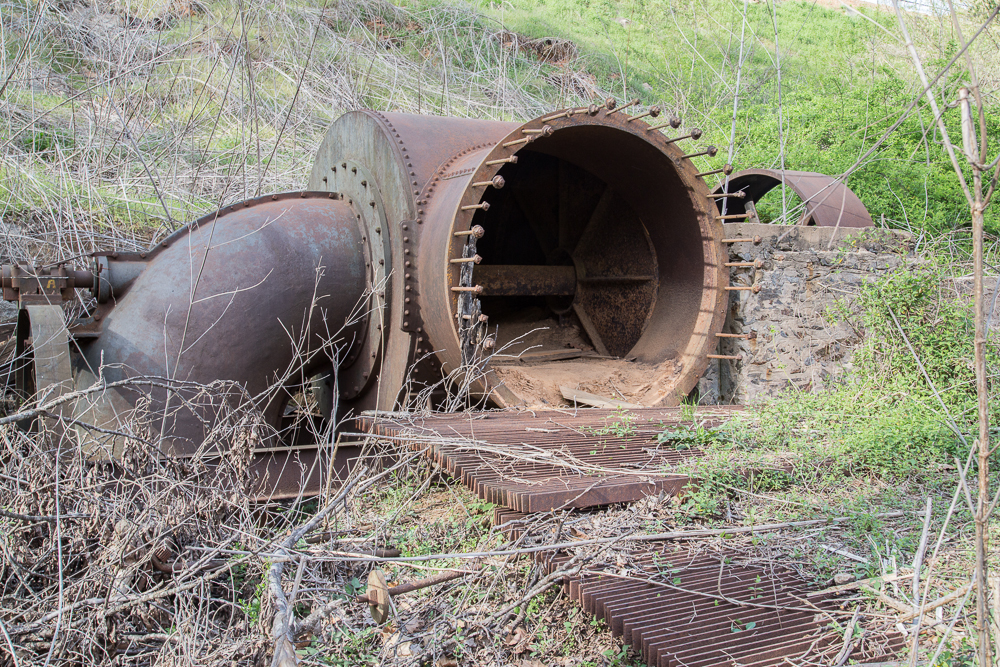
[
  {"x": 43, "y": 285},
  {"x": 43, "y": 338}
]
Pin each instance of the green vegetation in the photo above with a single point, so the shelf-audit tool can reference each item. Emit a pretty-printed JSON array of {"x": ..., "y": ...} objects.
[
  {"x": 620, "y": 424},
  {"x": 882, "y": 440},
  {"x": 251, "y": 607},
  {"x": 354, "y": 648},
  {"x": 840, "y": 90},
  {"x": 118, "y": 106}
]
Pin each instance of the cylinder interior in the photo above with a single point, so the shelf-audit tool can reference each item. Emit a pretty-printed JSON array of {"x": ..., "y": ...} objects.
[{"x": 594, "y": 268}]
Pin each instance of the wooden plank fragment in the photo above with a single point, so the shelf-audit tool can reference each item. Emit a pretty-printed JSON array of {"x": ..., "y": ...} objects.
[
  {"x": 577, "y": 396},
  {"x": 550, "y": 355}
]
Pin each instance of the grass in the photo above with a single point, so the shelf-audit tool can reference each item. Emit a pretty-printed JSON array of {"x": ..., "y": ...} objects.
[
  {"x": 843, "y": 83},
  {"x": 222, "y": 100},
  {"x": 879, "y": 442}
]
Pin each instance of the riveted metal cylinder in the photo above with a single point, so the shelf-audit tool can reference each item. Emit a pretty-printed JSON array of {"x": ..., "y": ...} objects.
[{"x": 599, "y": 221}]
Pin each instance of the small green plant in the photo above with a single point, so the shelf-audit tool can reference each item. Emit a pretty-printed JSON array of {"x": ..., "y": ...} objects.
[
  {"x": 688, "y": 408},
  {"x": 480, "y": 514},
  {"x": 47, "y": 144},
  {"x": 251, "y": 607},
  {"x": 686, "y": 437},
  {"x": 353, "y": 587},
  {"x": 620, "y": 424},
  {"x": 353, "y": 648},
  {"x": 964, "y": 655},
  {"x": 620, "y": 657}
]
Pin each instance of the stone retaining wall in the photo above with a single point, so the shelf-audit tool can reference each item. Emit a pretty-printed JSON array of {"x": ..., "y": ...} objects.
[{"x": 805, "y": 272}]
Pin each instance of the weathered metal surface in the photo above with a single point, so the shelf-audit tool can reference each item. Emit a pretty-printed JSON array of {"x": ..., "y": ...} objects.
[
  {"x": 498, "y": 280},
  {"x": 232, "y": 299},
  {"x": 42, "y": 350},
  {"x": 545, "y": 460},
  {"x": 401, "y": 152},
  {"x": 298, "y": 470},
  {"x": 606, "y": 195},
  {"x": 606, "y": 215},
  {"x": 828, "y": 201},
  {"x": 691, "y": 606},
  {"x": 358, "y": 371}
]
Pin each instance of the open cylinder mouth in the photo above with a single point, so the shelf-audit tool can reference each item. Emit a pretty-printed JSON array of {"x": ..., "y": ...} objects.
[{"x": 597, "y": 264}]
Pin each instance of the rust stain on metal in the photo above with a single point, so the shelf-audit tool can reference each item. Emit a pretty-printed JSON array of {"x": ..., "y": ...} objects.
[
  {"x": 498, "y": 280},
  {"x": 585, "y": 216},
  {"x": 580, "y": 232}
]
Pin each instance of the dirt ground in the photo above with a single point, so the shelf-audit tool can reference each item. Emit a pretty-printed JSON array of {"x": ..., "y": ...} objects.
[{"x": 538, "y": 383}]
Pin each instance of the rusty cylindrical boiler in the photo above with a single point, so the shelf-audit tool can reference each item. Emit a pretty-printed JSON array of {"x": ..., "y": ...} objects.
[{"x": 450, "y": 247}]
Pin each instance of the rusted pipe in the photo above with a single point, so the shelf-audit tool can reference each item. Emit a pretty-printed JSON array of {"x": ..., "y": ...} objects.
[
  {"x": 827, "y": 201},
  {"x": 501, "y": 280},
  {"x": 257, "y": 268},
  {"x": 412, "y": 230},
  {"x": 414, "y": 585}
]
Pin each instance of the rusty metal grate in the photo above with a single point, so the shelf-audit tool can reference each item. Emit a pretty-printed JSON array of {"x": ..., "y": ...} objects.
[
  {"x": 679, "y": 605},
  {"x": 540, "y": 461}
]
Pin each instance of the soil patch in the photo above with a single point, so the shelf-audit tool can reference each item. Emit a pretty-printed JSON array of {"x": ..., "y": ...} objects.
[{"x": 538, "y": 382}]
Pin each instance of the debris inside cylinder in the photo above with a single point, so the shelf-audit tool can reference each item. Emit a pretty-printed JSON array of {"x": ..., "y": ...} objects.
[{"x": 539, "y": 359}]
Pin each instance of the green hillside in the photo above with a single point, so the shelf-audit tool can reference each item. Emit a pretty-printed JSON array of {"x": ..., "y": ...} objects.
[
  {"x": 126, "y": 119},
  {"x": 843, "y": 82}
]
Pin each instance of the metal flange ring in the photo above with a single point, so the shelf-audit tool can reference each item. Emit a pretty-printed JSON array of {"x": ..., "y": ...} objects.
[{"x": 357, "y": 187}]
